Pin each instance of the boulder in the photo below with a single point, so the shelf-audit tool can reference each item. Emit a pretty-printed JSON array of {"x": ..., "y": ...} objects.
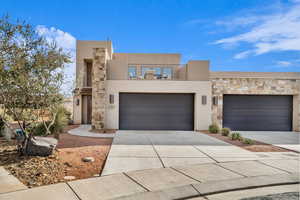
[
  {"x": 88, "y": 159},
  {"x": 40, "y": 146}
]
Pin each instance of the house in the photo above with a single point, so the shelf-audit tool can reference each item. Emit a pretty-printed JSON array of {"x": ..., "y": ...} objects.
[{"x": 136, "y": 91}]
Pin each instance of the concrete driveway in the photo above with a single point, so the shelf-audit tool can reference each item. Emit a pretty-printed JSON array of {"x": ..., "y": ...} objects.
[
  {"x": 287, "y": 140},
  {"x": 137, "y": 150}
]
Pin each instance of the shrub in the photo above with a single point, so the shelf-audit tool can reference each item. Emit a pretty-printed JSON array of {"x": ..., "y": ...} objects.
[
  {"x": 248, "y": 141},
  {"x": 225, "y": 131},
  {"x": 214, "y": 128},
  {"x": 61, "y": 121},
  {"x": 235, "y": 136}
]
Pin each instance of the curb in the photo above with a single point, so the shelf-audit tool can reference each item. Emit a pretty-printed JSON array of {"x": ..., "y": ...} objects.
[{"x": 215, "y": 187}]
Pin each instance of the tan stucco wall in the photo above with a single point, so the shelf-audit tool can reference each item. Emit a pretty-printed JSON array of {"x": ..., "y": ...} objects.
[
  {"x": 84, "y": 51},
  {"x": 198, "y": 70},
  {"x": 118, "y": 66},
  {"x": 199, "y": 88}
]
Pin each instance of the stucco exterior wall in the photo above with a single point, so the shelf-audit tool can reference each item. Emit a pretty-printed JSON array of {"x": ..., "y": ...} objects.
[
  {"x": 202, "y": 112},
  {"x": 256, "y": 86}
]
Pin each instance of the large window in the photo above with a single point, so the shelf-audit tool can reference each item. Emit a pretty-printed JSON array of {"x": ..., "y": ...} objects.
[
  {"x": 156, "y": 72},
  {"x": 132, "y": 72}
]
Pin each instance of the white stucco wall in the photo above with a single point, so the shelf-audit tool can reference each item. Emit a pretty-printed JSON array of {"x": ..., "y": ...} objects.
[{"x": 199, "y": 88}]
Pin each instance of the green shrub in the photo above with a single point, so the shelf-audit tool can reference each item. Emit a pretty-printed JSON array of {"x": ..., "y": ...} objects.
[
  {"x": 61, "y": 121},
  {"x": 225, "y": 131},
  {"x": 235, "y": 136},
  {"x": 248, "y": 141},
  {"x": 214, "y": 128}
]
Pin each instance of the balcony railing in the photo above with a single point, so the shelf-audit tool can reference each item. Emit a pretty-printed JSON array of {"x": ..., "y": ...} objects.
[{"x": 156, "y": 72}]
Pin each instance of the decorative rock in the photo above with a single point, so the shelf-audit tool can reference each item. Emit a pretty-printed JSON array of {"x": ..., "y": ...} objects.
[
  {"x": 88, "y": 159},
  {"x": 69, "y": 178},
  {"x": 40, "y": 146}
]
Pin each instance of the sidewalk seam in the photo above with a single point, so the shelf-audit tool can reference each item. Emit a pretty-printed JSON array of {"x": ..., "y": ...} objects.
[
  {"x": 73, "y": 191},
  {"x": 205, "y": 154},
  {"x": 185, "y": 175},
  {"x": 132, "y": 179},
  {"x": 231, "y": 170},
  {"x": 273, "y": 167},
  {"x": 162, "y": 163}
]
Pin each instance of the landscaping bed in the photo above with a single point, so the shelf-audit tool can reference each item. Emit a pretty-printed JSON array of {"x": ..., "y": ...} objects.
[
  {"x": 255, "y": 147},
  {"x": 66, "y": 162}
]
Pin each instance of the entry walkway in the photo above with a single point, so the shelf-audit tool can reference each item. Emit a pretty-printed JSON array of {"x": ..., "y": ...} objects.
[
  {"x": 175, "y": 182},
  {"x": 9, "y": 183},
  {"x": 84, "y": 131}
]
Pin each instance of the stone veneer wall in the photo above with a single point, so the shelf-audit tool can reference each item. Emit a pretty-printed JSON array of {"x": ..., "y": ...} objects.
[
  {"x": 98, "y": 85},
  {"x": 261, "y": 86}
]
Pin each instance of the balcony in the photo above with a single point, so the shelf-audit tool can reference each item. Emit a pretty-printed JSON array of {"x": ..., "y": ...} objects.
[{"x": 157, "y": 72}]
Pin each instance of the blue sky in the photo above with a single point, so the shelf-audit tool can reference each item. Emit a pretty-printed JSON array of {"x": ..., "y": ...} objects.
[{"x": 235, "y": 35}]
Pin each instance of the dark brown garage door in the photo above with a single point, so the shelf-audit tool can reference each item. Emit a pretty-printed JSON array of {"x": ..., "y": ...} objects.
[
  {"x": 258, "y": 112},
  {"x": 156, "y": 111}
]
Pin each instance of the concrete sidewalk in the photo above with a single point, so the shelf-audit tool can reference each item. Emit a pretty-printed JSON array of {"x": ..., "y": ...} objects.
[
  {"x": 139, "y": 150},
  {"x": 170, "y": 183},
  {"x": 9, "y": 183}
]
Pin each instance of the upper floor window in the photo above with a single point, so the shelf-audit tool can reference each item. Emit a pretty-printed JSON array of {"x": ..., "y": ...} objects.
[
  {"x": 157, "y": 73},
  {"x": 88, "y": 74},
  {"x": 132, "y": 72},
  {"x": 167, "y": 73}
]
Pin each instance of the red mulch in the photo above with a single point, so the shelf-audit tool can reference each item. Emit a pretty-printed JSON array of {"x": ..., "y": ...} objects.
[{"x": 255, "y": 147}]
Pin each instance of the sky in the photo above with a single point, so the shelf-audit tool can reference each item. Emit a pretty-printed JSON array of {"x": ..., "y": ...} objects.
[{"x": 235, "y": 35}]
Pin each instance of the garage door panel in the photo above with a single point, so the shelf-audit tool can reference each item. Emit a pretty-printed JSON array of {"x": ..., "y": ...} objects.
[
  {"x": 156, "y": 111},
  {"x": 258, "y": 112}
]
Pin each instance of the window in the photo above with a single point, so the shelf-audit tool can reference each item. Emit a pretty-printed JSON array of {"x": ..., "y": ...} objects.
[
  {"x": 167, "y": 73},
  {"x": 132, "y": 72},
  {"x": 155, "y": 71}
]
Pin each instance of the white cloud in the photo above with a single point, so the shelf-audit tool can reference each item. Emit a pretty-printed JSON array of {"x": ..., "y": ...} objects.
[
  {"x": 278, "y": 31},
  {"x": 67, "y": 42},
  {"x": 284, "y": 63}
]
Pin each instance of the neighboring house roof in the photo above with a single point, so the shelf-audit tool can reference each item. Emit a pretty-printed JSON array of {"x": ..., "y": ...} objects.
[{"x": 271, "y": 75}]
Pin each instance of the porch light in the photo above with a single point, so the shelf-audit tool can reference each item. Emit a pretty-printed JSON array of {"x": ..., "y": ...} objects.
[
  {"x": 111, "y": 99},
  {"x": 77, "y": 102},
  {"x": 215, "y": 101},
  {"x": 204, "y": 100}
]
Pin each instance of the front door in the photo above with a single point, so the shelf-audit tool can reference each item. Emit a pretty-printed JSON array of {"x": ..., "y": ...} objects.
[{"x": 86, "y": 109}]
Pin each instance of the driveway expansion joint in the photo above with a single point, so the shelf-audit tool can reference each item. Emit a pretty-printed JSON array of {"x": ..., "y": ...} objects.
[
  {"x": 206, "y": 154},
  {"x": 185, "y": 175},
  {"x": 273, "y": 167},
  {"x": 136, "y": 182},
  {"x": 73, "y": 191},
  {"x": 231, "y": 170},
  {"x": 162, "y": 163}
]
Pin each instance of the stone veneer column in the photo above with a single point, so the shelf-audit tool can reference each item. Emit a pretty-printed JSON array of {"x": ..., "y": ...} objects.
[{"x": 98, "y": 85}]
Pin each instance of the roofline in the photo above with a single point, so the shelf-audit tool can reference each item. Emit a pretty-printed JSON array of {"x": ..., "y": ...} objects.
[{"x": 239, "y": 74}]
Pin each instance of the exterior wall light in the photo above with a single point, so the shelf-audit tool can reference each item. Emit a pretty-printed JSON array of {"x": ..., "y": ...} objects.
[
  {"x": 77, "y": 102},
  {"x": 111, "y": 99},
  {"x": 204, "y": 100},
  {"x": 215, "y": 101}
]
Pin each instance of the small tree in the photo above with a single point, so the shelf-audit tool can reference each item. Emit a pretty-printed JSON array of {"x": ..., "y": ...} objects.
[{"x": 31, "y": 75}]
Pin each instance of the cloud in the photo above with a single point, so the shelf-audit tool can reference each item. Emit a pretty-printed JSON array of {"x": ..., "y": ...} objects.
[
  {"x": 278, "y": 31},
  {"x": 284, "y": 63},
  {"x": 67, "y": 42}
]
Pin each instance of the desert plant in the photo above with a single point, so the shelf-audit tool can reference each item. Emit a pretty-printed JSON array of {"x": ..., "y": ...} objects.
[
  {"x": 60, "y": 122},
  {"x": 235, "y": 136},
  {"x": 214, "y": 128},
  {"x": 248, "y": 141},
  {"x": 225, "y": 131}
]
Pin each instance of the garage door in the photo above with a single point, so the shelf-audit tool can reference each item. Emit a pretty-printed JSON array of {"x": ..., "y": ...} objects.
[
  {"x": 258, "y": 112},
  {"x": 156, "y": 111}
]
